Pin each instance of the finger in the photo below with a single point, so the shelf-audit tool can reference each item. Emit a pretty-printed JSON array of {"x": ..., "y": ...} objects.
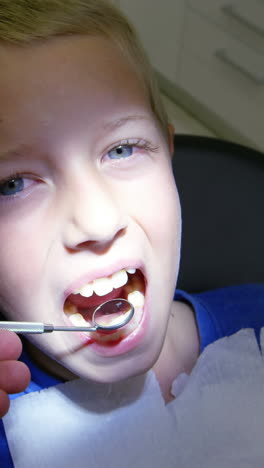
[
  {"x": 4, "y": 403},
  {"x": 10, "y": 345},
  {"x": 14, "y": 376}
]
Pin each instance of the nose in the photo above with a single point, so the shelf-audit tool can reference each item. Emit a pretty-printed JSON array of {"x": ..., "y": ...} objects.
[{"x": 94, "y": 215}]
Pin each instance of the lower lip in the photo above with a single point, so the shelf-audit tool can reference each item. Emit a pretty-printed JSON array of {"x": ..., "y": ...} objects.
[{"x": 122, "y": 345}]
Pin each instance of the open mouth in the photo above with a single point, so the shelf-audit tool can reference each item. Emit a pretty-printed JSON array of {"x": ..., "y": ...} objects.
[{"x": 128, "y": 284}]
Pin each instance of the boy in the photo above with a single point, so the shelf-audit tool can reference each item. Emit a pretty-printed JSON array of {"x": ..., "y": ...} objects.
[
  {"x": 84, "y": 149},
  {"x": 88, "y": 205}
]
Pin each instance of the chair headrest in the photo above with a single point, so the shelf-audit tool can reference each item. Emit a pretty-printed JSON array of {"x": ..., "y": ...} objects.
[{"x": 221, "y": 188}]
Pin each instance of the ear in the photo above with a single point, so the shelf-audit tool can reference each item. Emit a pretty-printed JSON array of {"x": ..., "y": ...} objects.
[{"x": 171, "y": 138}]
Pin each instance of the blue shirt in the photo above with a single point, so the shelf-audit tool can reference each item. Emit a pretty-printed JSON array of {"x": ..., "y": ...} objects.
[{"x": 221, "y": 312}]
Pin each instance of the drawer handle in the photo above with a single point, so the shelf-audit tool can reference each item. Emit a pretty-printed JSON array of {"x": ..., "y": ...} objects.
[
  {"x": 254, "y": 71},
  {"x": 250, "y": 13}
]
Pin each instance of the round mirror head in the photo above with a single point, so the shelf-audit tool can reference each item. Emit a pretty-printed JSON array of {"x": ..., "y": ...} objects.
[{"x": 113, "y": 314}]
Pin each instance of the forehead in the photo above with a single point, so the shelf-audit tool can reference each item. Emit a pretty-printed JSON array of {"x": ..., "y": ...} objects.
[
  {"x": 76, "y": 55},
  {"x": 79, "y": 77}
]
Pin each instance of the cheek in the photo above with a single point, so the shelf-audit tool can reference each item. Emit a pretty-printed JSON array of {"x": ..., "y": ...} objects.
[
  {"x": 22, "y": 260},
  {"x": 156, "y": 207},
  {"x": 158, "y": 212}
]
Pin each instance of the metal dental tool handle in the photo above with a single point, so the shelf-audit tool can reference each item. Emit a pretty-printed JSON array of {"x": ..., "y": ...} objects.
[{"x": 123, "y": 310}]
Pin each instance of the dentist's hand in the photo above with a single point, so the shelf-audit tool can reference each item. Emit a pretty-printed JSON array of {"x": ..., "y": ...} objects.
[{"x": 14, "y": 375}]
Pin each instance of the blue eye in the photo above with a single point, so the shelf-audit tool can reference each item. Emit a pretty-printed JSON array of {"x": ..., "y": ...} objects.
[
  {"x": 12, "y": 186},
  {"x": 120, "y": 152}
]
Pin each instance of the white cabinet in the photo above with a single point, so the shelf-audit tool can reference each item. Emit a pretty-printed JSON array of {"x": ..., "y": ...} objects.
[
  {"x": 242, "y": 18},
  {"x": 160, "y": 27},
  {"x": 209, "y": 55},
  {"x": 226, "y": 76}
]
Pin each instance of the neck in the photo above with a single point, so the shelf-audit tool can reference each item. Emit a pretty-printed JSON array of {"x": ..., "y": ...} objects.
[{"x": 180, "y": 350}]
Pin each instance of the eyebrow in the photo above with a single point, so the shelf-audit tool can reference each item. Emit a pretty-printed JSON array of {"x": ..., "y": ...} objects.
[
  {"x": 18, "y": 152},
  {"x": 110, "y": 126},
  {"x": 22, "y": 149}
]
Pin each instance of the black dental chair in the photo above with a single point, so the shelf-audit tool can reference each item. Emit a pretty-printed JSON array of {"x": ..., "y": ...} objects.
[{"x": 221, "y": 188}]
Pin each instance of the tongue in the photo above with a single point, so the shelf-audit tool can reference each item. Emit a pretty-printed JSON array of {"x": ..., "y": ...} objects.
[{"x": 94, "y": 300}]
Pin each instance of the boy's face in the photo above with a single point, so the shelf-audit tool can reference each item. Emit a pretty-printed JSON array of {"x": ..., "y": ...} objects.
[{"x": 74, "y": 209}]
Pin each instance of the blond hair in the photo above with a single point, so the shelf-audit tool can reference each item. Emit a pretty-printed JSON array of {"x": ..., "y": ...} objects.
[{"x": 23, "y": 22}]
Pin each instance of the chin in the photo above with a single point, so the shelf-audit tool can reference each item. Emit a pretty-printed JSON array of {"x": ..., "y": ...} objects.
[{"x": 113, "y": 369}]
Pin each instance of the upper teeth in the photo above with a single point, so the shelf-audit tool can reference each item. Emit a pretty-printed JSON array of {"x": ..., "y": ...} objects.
[{"x": 102, "y": 286}]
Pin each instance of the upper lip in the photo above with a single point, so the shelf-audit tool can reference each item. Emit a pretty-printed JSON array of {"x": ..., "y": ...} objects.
[{"x": 102, "y": 273}]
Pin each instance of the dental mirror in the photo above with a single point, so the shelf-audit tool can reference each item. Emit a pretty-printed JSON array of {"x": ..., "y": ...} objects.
[{"x": 109, "y": 316}]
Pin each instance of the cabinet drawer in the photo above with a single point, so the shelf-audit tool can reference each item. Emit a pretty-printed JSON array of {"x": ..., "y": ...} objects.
[
  {"x": 210, "y": 43},
  {"x": 227, "y": 91},
  {"x": 243, "y": 19}
]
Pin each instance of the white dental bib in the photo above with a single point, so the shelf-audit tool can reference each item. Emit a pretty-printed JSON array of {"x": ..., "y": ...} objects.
[{"x": 217, "y": 419}]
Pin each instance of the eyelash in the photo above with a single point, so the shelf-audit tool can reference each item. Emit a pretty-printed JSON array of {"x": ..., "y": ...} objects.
[
  {"x": 141, "y": 144},
  {"x": 16, "y": 175}
]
